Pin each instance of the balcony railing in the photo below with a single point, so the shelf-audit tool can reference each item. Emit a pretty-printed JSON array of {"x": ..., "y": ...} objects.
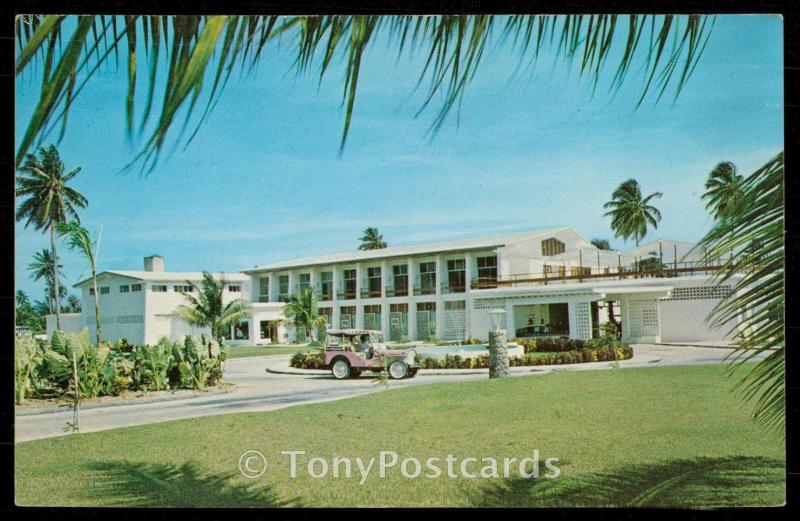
[
  {"x": 399, "y": 291},
  {"x": 370, "y": 293},
  {"x": 263, "y": 298},
  {"x": 483, "y": 283},
  {"x": 344, "y": 294},
  {"x": 453, "y": 288},
  {"x": 283, "y": 298},
  {"x": 424, "y": 290},
  {"x": 667, "y": 270}
]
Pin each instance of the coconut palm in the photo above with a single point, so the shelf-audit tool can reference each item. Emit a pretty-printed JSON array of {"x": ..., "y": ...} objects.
[
  {"x": 79, "y": 239},
  {"x": 73, "y": 304},
  {"x": 372, "y": 240},
  {"x": 753, "y": 312},
  {"x": 208, "y": 309},
  {"x": 191, "y": 58},
  {"x": 630, "y": 212},
  {"x": 302, "y": 310},
  {"x": 601, "y": 244},
  {"x": 43, "y": 267},
  {"x": 48, "y": 200},
  {"x": 21, "y": 298},
  {"x": 723, "y": 190}
]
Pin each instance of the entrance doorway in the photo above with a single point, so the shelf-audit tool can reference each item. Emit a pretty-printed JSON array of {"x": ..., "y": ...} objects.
[{"x": 268, "y": 330}]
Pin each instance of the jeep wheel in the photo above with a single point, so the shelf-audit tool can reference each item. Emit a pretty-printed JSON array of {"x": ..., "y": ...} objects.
[
  {"x": 398, "y": 370},
  {"x": 340, "y": 369}
]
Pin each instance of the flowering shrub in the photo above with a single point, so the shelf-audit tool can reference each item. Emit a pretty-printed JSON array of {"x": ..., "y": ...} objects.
[
  {"x": 308, "y": 360},
  {"x": 577, "y": 356}
]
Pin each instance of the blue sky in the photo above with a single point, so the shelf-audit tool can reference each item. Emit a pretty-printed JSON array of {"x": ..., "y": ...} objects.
[{"x": 263, "y": 181}]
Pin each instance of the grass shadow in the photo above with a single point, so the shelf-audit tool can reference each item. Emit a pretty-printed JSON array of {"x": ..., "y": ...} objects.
[
  {"x": 131, "y": 484},
  {"x": 693, "y": 483}
]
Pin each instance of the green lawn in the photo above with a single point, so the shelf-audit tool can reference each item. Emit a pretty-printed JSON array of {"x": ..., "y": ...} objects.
[
  {"x": 279, "y": 349},
  {"x": 651, "y": 436}
]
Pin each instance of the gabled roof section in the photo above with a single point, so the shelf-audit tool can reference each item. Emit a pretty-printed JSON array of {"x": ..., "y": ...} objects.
[
  {"x": 408, "y": 250},
  {"x": 166, "y": 276}
]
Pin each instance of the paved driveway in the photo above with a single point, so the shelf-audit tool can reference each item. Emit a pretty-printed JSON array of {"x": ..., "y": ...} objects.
[{"x": 257, "y": 390}]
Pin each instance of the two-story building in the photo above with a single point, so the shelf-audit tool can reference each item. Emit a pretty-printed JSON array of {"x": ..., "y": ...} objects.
[{"x": 550, "y": 282}]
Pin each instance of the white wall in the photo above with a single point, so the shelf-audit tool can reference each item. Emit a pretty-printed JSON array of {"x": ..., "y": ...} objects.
[
  {"x": 684, "y": 321},
  {"x": 70, "y": 323}
]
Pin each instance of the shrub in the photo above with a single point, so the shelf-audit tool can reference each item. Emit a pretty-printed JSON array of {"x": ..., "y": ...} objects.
[{"x": 308, "y": 360}]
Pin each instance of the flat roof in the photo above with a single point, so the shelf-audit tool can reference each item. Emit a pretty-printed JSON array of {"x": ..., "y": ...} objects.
[
  {"x": 166, "y": 276},
  {"x": 478, "y": 243}
]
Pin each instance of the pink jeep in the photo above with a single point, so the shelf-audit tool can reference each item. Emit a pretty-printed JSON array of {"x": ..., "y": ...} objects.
[{"x": 348, "y": 352}]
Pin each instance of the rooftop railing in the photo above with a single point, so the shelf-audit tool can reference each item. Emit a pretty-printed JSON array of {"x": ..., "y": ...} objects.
[{"x": 637, "y": 271}]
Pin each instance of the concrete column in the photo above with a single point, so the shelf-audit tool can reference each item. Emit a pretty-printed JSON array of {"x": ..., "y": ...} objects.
[
  {"x": 412, "y": 320},
  {"x": 385, "y": 319},
  {"x": 336, "y": 271},
  {"x": 498, "y": 355},
  {"x": 292, "y": 282},
  {"x": 384, "y": 278},
  {"x": 358, "y": 281},
  {"x": 439, "y": 317},
  {"x": 336, "y": 317},
  {"x": 273, "y": 291},
  {"x": 467, "y": 271},
  {"x": 312, "y": 280},
  {"x": 411, "y": 278},
  {"x": 511, "y": 326},
  {"x": 439, "y": 278}
]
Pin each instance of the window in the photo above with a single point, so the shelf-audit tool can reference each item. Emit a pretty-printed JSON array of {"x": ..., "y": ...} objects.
[
  {"x": 304, "y": 281},
  {"x": 327, "y": 313},
  {"x": 326, "y": 285},
  {"x": 426, "y": 320},
  {"x": 136, "y": 287},
  {"x": 456, "y": 275},
  {"x": 183, "y": 289},
  {"x": 283, "y": 288},
  {"x": 398, "y": 321},
  {"x": 579, "y": 271},
  {"x": 263, "y": 290},
  {"x": 91, "y": 291},
  {"x": 241, "y": 331},
  {"x": 105, "y": 290},
  {"x": 373, "y": 282},
  {"x": 158, "y": 288},
  {"x": 487, "y": 268},
  {"x": 427, "y": 278},
  {"x": 552, "y": 247},
  {"x": 400, "y": 272},
  {"x": 347, "y": 317},
  {"x": 235, "y": 289},
  {"x": 268, "y": 330},
  {"x": 124, "y": 288},
  {"x": 349, "y": 277},
  {"x": 372, "y": 317}
]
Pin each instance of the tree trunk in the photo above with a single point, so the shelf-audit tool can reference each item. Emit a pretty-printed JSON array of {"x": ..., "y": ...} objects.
[
  {"x": 56, "y": 287},
  {"x": 76, "y": 405},
  {"x": 96, "y": 307}
]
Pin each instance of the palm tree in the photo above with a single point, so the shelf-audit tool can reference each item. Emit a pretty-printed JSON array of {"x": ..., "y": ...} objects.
[
  {"x": 630, "y": 213},
  {"x": 43, "y": 267},
  {"x": 208, "y": 310},
  {"x": 184, "y": 52},
  {"x": 601, "y": 244},
  {"x": 723, "y": 190},
  {"x": 78, "y": 239},
  {"x": 303, "y": 311},
  {"x": 754, "y": 309},
  {"x": 22, "y": 299},
  {"x": 73, "y": 304},
  {"x": 372, "y": 240},
  {"x": 48, "y": 200}
]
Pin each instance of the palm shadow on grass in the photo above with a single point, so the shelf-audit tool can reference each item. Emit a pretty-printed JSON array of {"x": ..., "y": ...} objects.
[
  {"x": 131, "y": 484},
  {"x": 692, "y": 483}
]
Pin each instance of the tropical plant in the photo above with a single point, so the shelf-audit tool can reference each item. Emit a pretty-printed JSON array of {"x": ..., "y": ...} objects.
[
  {"x": 27, "y": 356},
  {"x": 630, "y": 212},
  {"x": 371, "y": 240},
  {"x": 61, "y": 363},
  {"x": 664, "y": 49},
  {"x": 26, "y": 313},
  {"x": 723, "y": 190},
  {"x": 302, "y": 310},
  {"x": 208, "y": 309},
  {"x": 601, "y": 244},
  {"x": 47, "y": 200},
  {"x": 73, "y": 304},
  {"x": 78, "y": 239},
  {"x": 198, "y": 362},
  {"x": 753, "y": 311},
  {"x": 152, "y": 364},
  {"x": 43, "y": 267}
]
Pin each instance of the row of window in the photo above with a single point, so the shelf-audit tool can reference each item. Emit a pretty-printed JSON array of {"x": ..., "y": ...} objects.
[
  {"x": 456, "y": 280},
  {"x": 158, "y": 288}
]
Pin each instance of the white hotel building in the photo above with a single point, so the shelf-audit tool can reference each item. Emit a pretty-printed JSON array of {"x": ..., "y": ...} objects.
[{"x": 551, "y": 282}]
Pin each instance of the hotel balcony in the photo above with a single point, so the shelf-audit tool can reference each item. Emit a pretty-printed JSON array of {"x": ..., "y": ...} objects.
[
  {"x": 424, "y": 290},
  {"x": 398, "y": 291},
  {"x": 483, "y": 283},
  {"x": 370, "y": 293},
  {"x": 454, "y": 288},
  {"x": 346, "y": 294}
]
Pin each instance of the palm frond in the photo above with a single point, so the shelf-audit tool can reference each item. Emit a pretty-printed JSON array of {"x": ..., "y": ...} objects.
[{"x": 454, "y": 47}]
